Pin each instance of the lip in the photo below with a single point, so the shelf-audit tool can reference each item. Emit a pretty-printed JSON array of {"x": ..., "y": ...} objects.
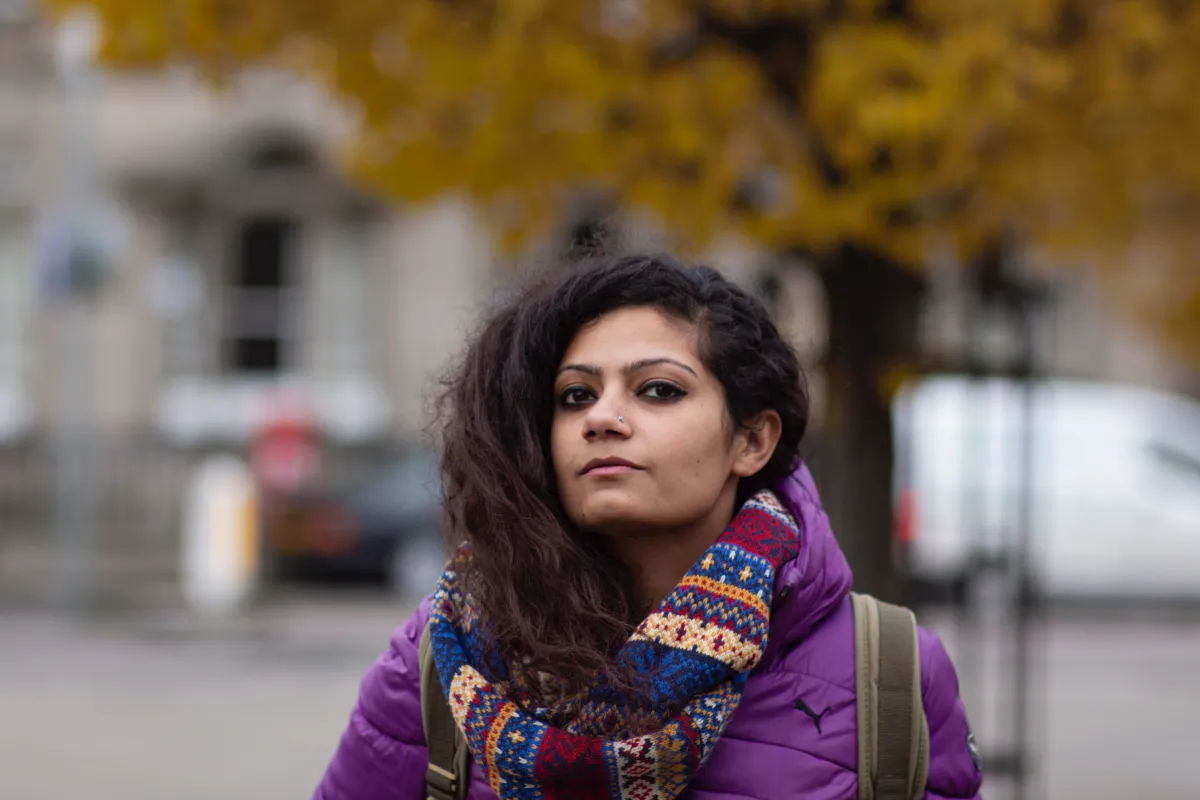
[{"x": 610, "y": 465}]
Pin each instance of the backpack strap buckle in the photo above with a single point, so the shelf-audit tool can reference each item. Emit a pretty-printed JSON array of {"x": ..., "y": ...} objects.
[{"x": 440, "y": 784}]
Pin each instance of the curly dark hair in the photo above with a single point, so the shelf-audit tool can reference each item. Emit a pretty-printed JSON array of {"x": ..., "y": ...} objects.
[{"x": 556, "y": 598}]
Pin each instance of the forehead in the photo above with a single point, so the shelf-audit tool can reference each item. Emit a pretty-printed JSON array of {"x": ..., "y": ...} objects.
[{"x": 631, "y": 333}]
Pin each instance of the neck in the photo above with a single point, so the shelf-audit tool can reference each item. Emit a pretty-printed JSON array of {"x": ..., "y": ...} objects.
[{"x": 661, "y": 557}]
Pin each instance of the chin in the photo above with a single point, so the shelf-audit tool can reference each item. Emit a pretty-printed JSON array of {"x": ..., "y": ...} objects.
[{"x": 612, "y": 515}]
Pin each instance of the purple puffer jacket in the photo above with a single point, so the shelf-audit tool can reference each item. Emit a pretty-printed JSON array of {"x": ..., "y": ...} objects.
[{"x": 770, "y": 749}]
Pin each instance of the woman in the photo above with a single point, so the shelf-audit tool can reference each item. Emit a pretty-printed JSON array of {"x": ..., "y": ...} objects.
[{"x": 622, "y": 471}]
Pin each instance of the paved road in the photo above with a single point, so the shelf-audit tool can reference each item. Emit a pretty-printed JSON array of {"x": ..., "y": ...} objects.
[
  {"x": 134, "y": 710},
  {"x": 1112, "y": 710},
  {"x": 167, "y": 710}
]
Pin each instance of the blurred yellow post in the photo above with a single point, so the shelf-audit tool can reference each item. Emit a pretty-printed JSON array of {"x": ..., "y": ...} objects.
[{"x": 220, "y": 563}]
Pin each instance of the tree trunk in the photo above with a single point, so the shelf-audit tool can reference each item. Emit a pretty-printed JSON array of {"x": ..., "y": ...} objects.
[{"x": 872, "y": 321}]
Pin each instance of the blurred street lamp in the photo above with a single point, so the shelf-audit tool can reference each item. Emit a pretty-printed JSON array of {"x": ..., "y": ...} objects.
[
  {"x": 1001, "y": 341},
  {"x": 73, "y": 263}
]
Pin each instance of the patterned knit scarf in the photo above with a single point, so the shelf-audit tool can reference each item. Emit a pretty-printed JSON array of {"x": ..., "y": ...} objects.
[{"x": 697, "y": 650}]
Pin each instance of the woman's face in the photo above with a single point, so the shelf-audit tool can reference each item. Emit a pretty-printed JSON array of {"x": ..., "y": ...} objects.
[{"x": 641, "y": 438}]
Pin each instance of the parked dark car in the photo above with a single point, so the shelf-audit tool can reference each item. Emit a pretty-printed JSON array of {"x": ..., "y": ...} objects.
[{"x": 387, "y": 526}]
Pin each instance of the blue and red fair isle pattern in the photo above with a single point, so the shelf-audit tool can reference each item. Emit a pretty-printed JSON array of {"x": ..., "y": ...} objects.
[{"x": 701, "y": 644}]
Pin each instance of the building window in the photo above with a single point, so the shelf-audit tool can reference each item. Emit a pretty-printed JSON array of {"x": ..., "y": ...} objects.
[
  {"x": 179, "y": 297},
  {"x": 342, "y": 288},
  {"x": 259, "y": 334}
]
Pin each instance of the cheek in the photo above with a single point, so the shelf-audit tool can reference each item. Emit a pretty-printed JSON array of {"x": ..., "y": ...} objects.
[
  {"x": 701, "y": 455},
  {"x": 558, "y": 446},
  {"x": 564, "y": 444}
]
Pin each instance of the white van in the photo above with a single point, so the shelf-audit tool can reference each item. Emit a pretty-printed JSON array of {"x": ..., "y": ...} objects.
[{"x": 1114, "y": 485}]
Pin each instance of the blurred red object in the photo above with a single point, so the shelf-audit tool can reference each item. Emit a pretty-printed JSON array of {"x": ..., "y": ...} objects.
[
  {"x": 906, "y": 517},
  {"x": 284, "y": 454}
]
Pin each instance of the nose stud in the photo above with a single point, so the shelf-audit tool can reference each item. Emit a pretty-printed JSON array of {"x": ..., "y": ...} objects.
[{"x": 621, "y": 420}]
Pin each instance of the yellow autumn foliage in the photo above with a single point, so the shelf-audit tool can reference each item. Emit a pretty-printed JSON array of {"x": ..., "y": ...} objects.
[{"x": 898, "y": 125}]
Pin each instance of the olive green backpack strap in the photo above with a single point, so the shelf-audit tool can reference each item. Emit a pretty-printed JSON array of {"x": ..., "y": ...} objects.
[
  {"x": 447, "y": 776},
  {"x": 893, "y": 734}
]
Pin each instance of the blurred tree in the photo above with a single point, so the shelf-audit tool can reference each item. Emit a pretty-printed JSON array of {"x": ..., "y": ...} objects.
[{"x": 860, "y": 134}]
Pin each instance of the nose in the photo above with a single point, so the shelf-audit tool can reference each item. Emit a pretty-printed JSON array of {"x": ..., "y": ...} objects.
[{"x": 605, "y": 418}]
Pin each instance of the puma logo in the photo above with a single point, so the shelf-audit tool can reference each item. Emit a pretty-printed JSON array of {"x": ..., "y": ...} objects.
[{"x": 814, "y": 716}]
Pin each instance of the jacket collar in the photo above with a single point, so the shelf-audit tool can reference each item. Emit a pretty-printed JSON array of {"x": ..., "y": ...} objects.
[{"x": 812, "y": 584}]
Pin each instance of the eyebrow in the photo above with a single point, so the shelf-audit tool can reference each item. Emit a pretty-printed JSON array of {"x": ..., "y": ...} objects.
[{"x": 629, "y": 368}]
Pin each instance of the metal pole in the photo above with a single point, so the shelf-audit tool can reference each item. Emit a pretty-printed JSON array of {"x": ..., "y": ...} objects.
[
  {"x": 74, "y": 507},
  {"x": 74, "y": 491},
  {"x": 973, "y": 470},
  {"x": 1025, "y": 590}
]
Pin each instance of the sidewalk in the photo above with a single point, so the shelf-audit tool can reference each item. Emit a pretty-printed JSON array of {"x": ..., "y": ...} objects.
[
  {"x": 121, "y": 578},
  {"x": 150, "y": 706}
]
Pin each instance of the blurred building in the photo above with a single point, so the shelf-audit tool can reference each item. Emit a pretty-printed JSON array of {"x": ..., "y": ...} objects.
[
  {"x": 252, "y": 265},
  {"x": 249, "y": 268}
]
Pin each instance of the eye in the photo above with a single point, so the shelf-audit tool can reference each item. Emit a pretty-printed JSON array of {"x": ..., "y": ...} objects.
[
  {"x": 662, "y": 391},
  {"x": 574, "y": 396}
]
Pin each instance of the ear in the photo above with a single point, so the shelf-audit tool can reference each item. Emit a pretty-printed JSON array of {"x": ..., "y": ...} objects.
[{"x": 754, "y": 442}]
